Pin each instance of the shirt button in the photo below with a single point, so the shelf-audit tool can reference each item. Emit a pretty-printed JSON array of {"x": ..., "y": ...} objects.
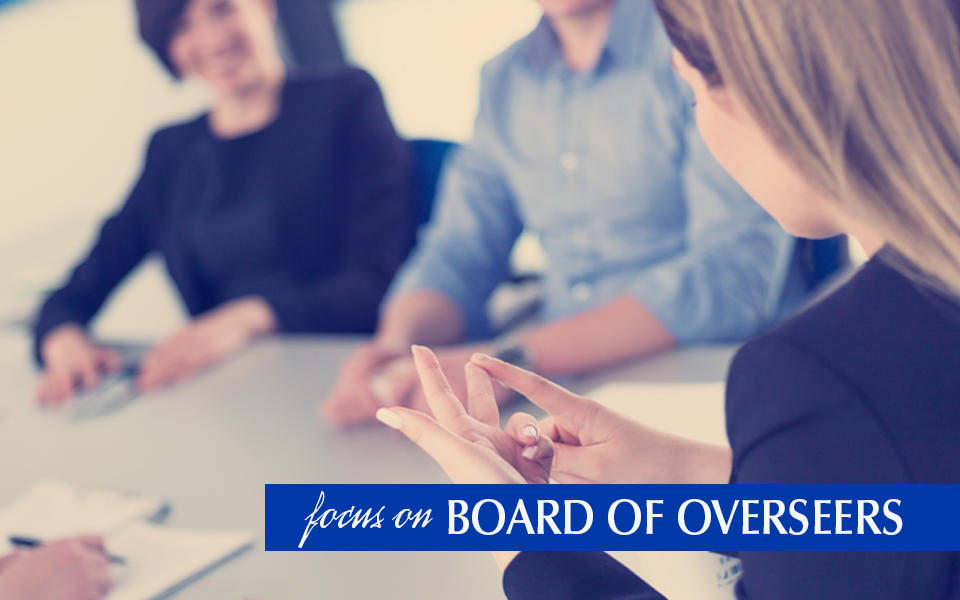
[
  {"x": 569, "y": 162},
  {"x": 582, "y": 292}
]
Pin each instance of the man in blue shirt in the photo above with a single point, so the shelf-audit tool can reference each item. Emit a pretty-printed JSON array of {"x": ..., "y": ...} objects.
[{"x": 585, "y": 136}]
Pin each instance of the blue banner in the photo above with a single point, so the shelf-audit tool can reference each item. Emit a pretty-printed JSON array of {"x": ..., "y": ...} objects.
[{"x": 612, "y": 517}]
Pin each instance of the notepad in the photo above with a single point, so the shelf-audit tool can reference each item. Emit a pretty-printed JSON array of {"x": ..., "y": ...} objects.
[
  {"x": 160, "y": 559},
  {"x": 157, "y": 559},
  {"x": 50, "y": 510}
]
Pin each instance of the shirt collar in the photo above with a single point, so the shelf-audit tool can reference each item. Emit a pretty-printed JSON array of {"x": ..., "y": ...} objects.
[{"x": 542, "y": 48}]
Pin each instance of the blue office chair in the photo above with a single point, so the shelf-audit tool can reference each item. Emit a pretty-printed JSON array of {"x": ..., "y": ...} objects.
[
  {"x": 822, "y": 259},
  {"x": 428, "y": 156}
]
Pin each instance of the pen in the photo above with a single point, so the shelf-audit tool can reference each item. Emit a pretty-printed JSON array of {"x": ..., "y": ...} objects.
[{"x": 28, "y": 542}]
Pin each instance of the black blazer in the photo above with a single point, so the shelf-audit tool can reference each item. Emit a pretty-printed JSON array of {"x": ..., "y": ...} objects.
[
  {"x": 864, "y": 387},
  {"x": 331, "y": 175}
]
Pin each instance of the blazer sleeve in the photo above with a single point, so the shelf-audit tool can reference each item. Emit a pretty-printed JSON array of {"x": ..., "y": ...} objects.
[
  {"x": 124, "y": 239},
  {"x": 792, "y": 418},
  {"x": 377, "y": 224},
  {"x": 573, "y": 576}
]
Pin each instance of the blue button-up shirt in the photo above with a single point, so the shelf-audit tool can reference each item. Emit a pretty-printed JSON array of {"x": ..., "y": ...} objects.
[{"x": 606, "y": 167}]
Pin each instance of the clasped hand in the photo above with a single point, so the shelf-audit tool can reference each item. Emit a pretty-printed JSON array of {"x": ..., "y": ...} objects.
[
  {"x": 74, "y": 363},
  {"x": 580, "y": 441}
]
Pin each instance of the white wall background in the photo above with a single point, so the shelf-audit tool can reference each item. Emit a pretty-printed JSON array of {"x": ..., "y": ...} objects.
[
  {"x": 427, "y": 54},
  {"x": 79, "y": 94}
]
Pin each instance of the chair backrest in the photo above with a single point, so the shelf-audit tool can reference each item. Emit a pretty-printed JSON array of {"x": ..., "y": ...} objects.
[{"x": 429, "y": 156}]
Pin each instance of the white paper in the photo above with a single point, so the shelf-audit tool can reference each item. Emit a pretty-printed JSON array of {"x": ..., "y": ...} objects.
[
  {"x": 694, "y": 411},
  {"x": 159, "y": 558},
  {"x": 156, "y": 559},
  {"x": 51, "y": 510},
  {"x": 693, "y": 575},
  {"x": 691, "y": 410}
]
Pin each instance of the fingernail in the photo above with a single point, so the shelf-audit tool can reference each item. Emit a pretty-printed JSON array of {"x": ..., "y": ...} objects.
[
  {"x": 480, "y": 357},
  {"x": 529, "y": 452},
  {"x": 531, "y": 433},
  {"x": 420, "y": 353},
  {"x": 389, "y": 418}
]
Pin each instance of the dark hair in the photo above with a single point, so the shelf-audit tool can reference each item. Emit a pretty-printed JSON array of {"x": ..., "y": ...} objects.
[
  {"x": 156, "y": 20},
  {"x": 691, "y": 45}
]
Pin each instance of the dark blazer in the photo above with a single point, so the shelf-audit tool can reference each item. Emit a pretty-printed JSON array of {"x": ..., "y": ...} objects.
[
  {"x": 864, "y": 387},
  {"x": 336, "y": 209}
]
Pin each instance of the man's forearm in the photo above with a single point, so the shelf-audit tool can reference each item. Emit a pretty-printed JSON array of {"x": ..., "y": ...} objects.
[
  {"x": 618, "y": 331},
  {"x": 421, "y": 317}
]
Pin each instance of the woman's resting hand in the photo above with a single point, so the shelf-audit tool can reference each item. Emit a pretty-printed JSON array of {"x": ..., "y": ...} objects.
[
  {"x": 72, "y": 363},
  {"x": 206, "y": 341}
]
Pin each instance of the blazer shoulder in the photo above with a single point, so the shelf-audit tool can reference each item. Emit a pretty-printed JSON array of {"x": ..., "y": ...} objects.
[
  {"x": 774, "y": 382},
  {"x": 795, "y": 417},
  {"x": 338, "y": 79},
  {"x": 175, "y": 136}
]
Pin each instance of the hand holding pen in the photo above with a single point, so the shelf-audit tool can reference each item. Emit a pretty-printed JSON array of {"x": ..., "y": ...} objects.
[{"x": 81, "y": 566}]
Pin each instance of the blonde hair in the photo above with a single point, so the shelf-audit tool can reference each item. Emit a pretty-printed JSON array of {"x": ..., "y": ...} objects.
[{"x": 862, "y": 95}]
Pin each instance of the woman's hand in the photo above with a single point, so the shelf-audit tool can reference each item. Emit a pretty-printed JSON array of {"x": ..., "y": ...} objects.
[
  {"x": 399, "y": 382},
  {"x": 468, "y": 443},
  {"x": 72, "y": 569},
  {"x": 207, "y": 340},
  {"x": 592, "y": 444},
  {"x": 71, "y": 363}
]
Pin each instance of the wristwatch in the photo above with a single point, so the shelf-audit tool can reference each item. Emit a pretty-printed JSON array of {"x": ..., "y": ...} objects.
[{"x": 513, "y": 351}]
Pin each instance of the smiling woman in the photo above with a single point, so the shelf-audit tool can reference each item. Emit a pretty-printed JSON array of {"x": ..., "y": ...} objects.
[
  {"x": 285, "y": 207},
  {"x": 228, "y": 44}
]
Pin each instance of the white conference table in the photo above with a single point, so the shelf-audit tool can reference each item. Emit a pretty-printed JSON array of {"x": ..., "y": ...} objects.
[{"x": 211, "y": 444}]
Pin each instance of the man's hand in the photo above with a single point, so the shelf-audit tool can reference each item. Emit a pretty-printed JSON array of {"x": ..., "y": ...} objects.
[
  {"x": 399, "y": 385},
  {"x": 207, "y": 340},
  {"x": 382, "y": 376},
  {"x": 353, "y": 400}
]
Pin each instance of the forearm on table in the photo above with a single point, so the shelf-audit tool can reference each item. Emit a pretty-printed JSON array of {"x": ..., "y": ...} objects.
[
  {"x": 421, "y": 317},
  {"x": 620, "y": 330},
  {"x": 254, "y": 314}
]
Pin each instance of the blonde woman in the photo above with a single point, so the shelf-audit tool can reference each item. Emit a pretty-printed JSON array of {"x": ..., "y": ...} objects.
[{"x": 836, "y": 117}]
